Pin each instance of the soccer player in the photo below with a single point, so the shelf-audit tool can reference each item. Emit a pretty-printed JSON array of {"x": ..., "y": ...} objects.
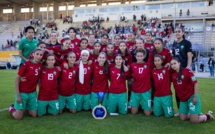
[
  {"x": 91, "y": 40},
  {"x": 27, "y": 45},
  {"x": 100, "y": 80},
  {"x": 48, "y": 92},
  {"x": 131, "y": 42},
  {"x": 123, "y": 50},
  {"x": 186, "y": 87},
  {"x": 95, "y": 51},
  {"x": 83, "y": 46},
  {"x": 110, "y": 54},
  {"x": 117, "y": 40},
  {"x": 141, "y": 87},
  {"x": 163, "y": 104},
  {"x": 148, "y": 41},
  {"x": 182, "y": 49},
  {"x": 42, "y": 46},
  {"x": 104, "y": 41},
  {"x": 117, "y": 92},
  {"x": 164, "y": 52},
  {"x": 53, "y": 39},
  {"x": 26, "y": 95},
  {"x": 75, "y": 42},
  {"x": 61, "y": 51},
  {"x": 82, "y": 84},
  {"x": 67, "y": 95}
]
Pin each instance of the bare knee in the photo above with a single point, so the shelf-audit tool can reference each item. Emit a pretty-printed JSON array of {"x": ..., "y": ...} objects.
[
  {"x": 147, "y": 112},
  {"x": 72, "y": 111},
  {"x": 134, "y": 110}
]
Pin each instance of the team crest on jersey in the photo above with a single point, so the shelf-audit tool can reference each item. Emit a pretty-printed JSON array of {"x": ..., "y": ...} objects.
[
  {"x": 111, "y": 60},
  {"x": 164, "y": 71},
  {"x": 76, "y": 43},
  {"x": 152, "y": 47},
  {"x": 54, "y": 73},
  {"x": 145, "y": 66},
  {"x": 193, "y": 78},
  {"x": 182, "y": 76},
  {"x": 74, "y": 72},
  {"x": 88, "y": 68},
  {"x": 164, "y": 57},
  {"x": 182, "y": 47},
  {"x": 39, "y": 68},
  {"x": 126, "y": 59}
]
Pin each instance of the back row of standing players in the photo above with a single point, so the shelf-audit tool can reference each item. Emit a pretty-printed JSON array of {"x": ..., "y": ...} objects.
[{"x": 71, "y": 74}]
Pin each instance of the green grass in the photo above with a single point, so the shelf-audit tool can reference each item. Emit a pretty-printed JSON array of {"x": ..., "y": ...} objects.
[{"x": 83, "y": 122}]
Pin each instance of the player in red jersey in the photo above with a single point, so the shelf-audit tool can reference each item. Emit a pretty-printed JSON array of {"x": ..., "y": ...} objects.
[
  {"x": 117, "y": 91},
  {"x": 126, "y": 56},
  {"x": 48, "y": 92},
  {"x": 104, "y": 41},
  {"x": 61, "y": 51},
  {"x": 131, "y": 42},
  {"x": 163, "y": 104},
  {"x": 148, "y": 41},
  {"x": 75, "y": 42},
  {"x": 42, "y": 46},
  {"x": 67, "y": 85},
  {"x": 117, "y": 40},
  {"x": 164, "y": 52},
  {"x": 91, "y": 40},
  {"x": 100, "y": 80},
  {"x": 26, "y": 96},
  {"x": 82, "y": 85},
  {"x": 141, "y": 87},
  {"x": 110, "y": 54},
  {"x": 83, "y": 46},
  {"x": 186, "y": 87},
  {"x": 95, "y": 51}
]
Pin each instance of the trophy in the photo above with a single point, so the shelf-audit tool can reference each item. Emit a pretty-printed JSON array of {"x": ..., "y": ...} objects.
[{"x": 99, "y": 112}]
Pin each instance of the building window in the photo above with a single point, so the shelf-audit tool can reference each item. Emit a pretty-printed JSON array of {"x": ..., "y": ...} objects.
[
  {"x": 7, "y": 10},
  {"x": 186, "y": 4},
  {"x": 25, "y": 10},
  {"x": 197, "y": 4},
  {"x": 70, "y": 7},
  {"x": 62, "y": 8},
  {"x": 128, "y": 8},
  {"x": 43, "y": 9},
  {"x": 153, "y": 6},
  {"x": 167, "y": 6}
]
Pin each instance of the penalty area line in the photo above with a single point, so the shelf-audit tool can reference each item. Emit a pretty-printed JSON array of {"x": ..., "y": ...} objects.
[{"x": 4, "y": 109}]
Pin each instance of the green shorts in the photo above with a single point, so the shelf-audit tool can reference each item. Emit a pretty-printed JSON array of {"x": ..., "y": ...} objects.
[
  {"x": 141, "y": 98},
  {"x": 83, "y": 102},
  {"x": 51, "y": 106},
  {"x": 95, "y": 101},
  {"x": 29, "y": 101},
  {"x": 188, "y": 107},
  {"x": 163, "y": 105},
  {"x": 117, "y": 100},
  {"x": 68, "y": 101}
]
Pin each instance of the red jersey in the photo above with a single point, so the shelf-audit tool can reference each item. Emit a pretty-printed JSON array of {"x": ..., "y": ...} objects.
[
  {"x": 111, "y": 60},
  {"x": 127, "y": 59},
  {"x": 75, "y": 43},
  {"x": 103, "y": 47},
  {"x": 78, "y": 53},
  {"x": 90, "y": 47},
  {"x": 49, "y": 84},
  {"x": 100, "y": 79},
  {"x": 60, "y": 54},
  {"x": 149, "y": 46},
  {"x": 143, "y": 32},
  {"x": 94, "y": 57},
  {"x": 167, "y": 57},
  {"x": 31, "y": 71},
  {"x": 130, "y": 45},
  {"x": 162, "y": 82},
  {"x": 185, "y": 87},
  {"x": 117, "y": 82},
  {"x": 67, "y": 81},
  {"x": 142, "y": 77},
  {"x": 86, "y": 87},
  {"x": 116, "y": 48}
]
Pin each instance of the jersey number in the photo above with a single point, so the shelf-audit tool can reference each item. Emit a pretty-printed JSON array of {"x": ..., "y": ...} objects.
[
  {"x": 36, "y": 72},
  {"x": 160, "y": 76},
  {"x": 70, "y": 75},
  {"x": 50, "y": 76},
  {"x": 140, "y": 70},
  {"x": 118, "y": 75}
]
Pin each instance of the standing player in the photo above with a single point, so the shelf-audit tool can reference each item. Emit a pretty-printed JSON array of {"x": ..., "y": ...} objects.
[
  {"x": 186, "y": 87},
  {"x": 100, "y": 80},
  {"x": 83, "y": 46},
  {"x": 48, "y": 92},
  {"x": 96, "y": 51},
  {"x": 66, "y": 95},
  {"x": 27, "y": 45},
  {"x": 91, "y": 40},
  {"x": 141, "y": 87},
  {"x": 162, "y": 95},
  {"x": 126, "y": 56},
  {"x": 104, "y": 41},
  {"x": 149, "y": 44},
  {"x": 182, "y": 49},
  {"x": 117, "y": 92},
  {"x": 82, "y": 84},
  {"x": 131, "y": 42},
  {"x": 75, "y": 42},
  {"x": 117, "y": 40},
  {"x": 53, "y": 39},
  {"x": 26, "y": 95},
  {"x": 110, "y": 54}
]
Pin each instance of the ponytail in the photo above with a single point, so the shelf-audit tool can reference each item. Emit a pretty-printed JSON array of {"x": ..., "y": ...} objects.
[
  {"x": 180, "y": 69},
  {"x": 122, "y": 72},
  {"x": 106, "y": 67}
]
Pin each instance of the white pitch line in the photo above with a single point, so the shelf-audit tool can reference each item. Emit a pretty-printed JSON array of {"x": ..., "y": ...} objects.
[{"x": 4, "y": 109}]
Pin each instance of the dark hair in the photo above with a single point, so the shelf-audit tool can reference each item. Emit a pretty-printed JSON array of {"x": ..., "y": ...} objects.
[
  {"x": 155, "y": 51},
  {"x": 48, "y": 55},
  {"x": 84, "y": 39},
  {"x": 149, "y": 33},
  {"x": 110, "y": 44},
  {"x": 29, "y": 27},
  {"x": 182, "y": 29},
  {"x": 38, "y": 49},
  {"x": 38, "y": 44},
  {"x": 126, "y": 50},
  {"x": 71, "y": 53},
  {"x": 122, "y": 72},
  {"x": 141, "y": 40},
  {"x": 180, "y": 68},
  {"x": 158, "y": 56},
  {"x": 106, "y": 64},
  {"x": 96, "y": 43},
  {"x": 105, "y": 34},
  {"x": 143, "y": 51},
  {"x": 117, "y": 35},
  {"x": 72, "y": 28}
]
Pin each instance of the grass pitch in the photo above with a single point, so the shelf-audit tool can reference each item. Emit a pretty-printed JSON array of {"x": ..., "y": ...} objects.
[{"x": 83, "y": 122}]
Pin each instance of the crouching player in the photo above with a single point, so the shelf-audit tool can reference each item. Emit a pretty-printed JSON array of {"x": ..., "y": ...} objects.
[
  {"x": 48, "y": 92},
  {"x": 26, "y": 94}
]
